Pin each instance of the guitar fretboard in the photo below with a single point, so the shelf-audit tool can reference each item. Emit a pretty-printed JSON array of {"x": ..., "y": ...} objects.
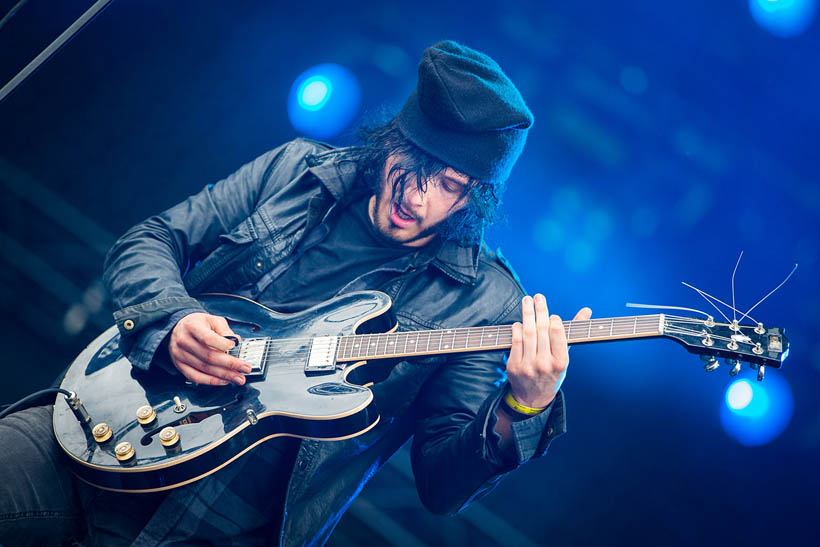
[{"x": 426, "y": 342}]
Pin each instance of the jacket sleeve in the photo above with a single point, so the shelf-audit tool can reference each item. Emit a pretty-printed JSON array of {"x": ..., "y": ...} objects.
[
  {"x": 143, "y": 271},
  {"x": 456, "y": 454}
]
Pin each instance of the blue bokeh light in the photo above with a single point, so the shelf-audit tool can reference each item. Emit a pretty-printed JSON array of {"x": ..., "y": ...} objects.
[
  {"x": 314, "y": 92},
  {"x": 323, "y": 101},
  {"x": 739, "y": 395},
  {"x": 755, "y": 413},
  {"x": 784, "y": 18}
]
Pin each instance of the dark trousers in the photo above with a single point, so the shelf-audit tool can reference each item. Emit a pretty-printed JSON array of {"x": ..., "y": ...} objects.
[{"x": 41, "y": 503}]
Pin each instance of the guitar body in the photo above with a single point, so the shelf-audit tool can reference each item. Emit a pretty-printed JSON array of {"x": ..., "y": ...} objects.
[{"x": 217, "y": 424}]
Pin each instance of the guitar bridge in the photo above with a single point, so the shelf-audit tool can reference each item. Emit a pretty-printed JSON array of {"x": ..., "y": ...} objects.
[{"x": 322, "y": 355}]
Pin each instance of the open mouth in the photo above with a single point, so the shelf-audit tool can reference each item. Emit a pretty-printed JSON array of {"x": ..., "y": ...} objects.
[
  {"x": 400, "y": 216},
  {"x": 403, "y": 214}
]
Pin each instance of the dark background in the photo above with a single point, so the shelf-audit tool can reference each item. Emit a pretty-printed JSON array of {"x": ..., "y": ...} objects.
[{"x": 669, "y": 137}]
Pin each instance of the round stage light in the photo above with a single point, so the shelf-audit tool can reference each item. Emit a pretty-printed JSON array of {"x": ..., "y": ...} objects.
[
  {"x": 784, "y": 18},
  {"x": 314, "y": 92},
  {"x": 739, "y": 395},
  {"x": 323, "y": 101},
  {"x": 755, "y": 413}
]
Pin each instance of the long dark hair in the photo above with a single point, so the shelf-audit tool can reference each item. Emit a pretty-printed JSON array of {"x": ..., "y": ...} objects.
[{"x": 378, "y": 142}]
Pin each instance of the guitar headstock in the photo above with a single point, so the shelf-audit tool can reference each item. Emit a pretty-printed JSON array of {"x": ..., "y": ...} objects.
[{"x": 757, "y": 345}]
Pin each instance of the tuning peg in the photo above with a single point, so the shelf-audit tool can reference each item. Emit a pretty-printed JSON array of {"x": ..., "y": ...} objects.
[
  {"x": 711, "y": 363},
  {"x": 761, "y": 371},
  {"x": 735, "y": 366}
]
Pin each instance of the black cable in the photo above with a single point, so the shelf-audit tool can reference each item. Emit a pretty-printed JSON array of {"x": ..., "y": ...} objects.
[
  {"x": 11, "y": 12},
  {"x": 26, "y": 401}
]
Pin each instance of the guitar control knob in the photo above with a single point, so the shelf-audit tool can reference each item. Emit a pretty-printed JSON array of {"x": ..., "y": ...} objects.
[
  {"x": 101, "y": 432},
  {"x": 146, "y": 415},
  {"x": 124, "y": 452},
  {"x": 761, "y": 372},
  {"x": 735, "y": 364},
  {"x": 169, "y": 437}
]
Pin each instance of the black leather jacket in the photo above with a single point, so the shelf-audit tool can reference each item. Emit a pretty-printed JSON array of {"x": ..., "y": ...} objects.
[{"x": 239, "y": 234}]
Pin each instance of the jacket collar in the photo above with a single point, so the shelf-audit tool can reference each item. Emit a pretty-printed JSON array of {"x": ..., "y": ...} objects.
[{"x": 339, "y": 178}]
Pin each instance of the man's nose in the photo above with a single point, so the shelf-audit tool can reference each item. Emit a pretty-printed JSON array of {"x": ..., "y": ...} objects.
[{"x": 414, "y": 195}]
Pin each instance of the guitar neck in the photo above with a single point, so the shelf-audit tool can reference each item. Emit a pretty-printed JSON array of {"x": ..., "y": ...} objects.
[{"x": 497, "y": 337}]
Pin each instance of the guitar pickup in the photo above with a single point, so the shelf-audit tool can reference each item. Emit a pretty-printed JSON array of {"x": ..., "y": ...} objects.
[
  {"x": 322, "y": 355},
  {"x": 254, "y": 352}
]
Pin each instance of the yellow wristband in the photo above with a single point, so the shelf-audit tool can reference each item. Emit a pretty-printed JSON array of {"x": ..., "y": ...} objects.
[{"x": 518, "y": 407}]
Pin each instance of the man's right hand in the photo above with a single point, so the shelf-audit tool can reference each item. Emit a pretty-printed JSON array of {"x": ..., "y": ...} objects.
[{"x": 197, "y": 348}]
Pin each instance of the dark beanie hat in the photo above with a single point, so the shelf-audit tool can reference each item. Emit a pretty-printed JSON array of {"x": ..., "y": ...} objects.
[{"x": 466, "y": 112}]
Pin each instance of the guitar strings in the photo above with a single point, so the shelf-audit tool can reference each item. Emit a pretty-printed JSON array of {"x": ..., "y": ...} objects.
[
  {"x": 704, "y": 295},
  {"x": 734, "y": 311},
  {"x": 768, "y": 295},
  {"x": 460, "y": 338},
  {"x": 383, "y": 345},
  {"x": 462, "y": 335},
  {"x": 567, "y": 324}
]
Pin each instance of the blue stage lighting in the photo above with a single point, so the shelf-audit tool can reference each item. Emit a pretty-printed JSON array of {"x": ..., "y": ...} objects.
[
  {"x": 755, "y": 413},
  {"x": 783, "y": 18},
  {"x": 314, "y": 92},
  {"x": 323, "y": 101}
]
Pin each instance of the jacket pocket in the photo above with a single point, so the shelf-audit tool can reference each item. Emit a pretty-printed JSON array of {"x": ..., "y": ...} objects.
[
  {"x": 244, "y": 233},
  {"x": 221, "y": 268}
]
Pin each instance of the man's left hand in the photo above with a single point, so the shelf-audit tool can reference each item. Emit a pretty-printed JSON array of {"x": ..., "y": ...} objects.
[{"x": 539, "y": 354}]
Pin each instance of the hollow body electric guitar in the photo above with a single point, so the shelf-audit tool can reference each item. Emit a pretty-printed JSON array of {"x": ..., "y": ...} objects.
[{"x": 135, "y": 431}]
